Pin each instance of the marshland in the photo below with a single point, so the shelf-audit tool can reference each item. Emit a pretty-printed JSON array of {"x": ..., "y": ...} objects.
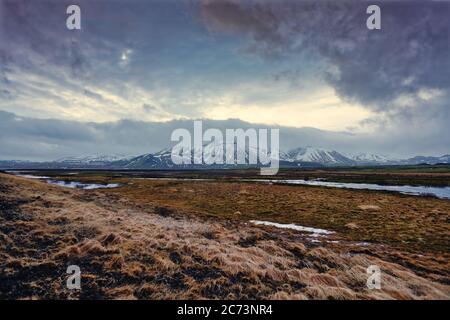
[{"x": 222, "y": 234}]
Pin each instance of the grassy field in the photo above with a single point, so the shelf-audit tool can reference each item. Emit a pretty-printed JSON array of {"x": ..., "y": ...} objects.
[
  {"x": 193, "y": 239},
  {"x": 411, "y": 222},
  {"x": 430, "y": 175}
]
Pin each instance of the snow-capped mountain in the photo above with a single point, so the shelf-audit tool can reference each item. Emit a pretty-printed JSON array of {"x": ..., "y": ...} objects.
[
  {"x": 147, "y": 161},
  {"x": 427, "y": 160},
  {"x": 298, "y": 157},
  {"x": 93, "y": 159},
  {"x": 163, "y": 158},
  {"x": 371, "y": 158},
  {"x": 318, "y": 155}
]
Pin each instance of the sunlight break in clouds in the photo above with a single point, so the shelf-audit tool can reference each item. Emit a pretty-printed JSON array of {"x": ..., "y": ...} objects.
[{"x": 322, "y": 109}]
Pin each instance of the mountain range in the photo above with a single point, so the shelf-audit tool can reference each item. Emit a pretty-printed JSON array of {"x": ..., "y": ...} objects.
[{"x": 298, "y": 157}]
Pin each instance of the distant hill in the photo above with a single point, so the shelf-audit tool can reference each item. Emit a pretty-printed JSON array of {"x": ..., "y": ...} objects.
[
  {"x": 299, "y": 157},
  {"x": 318, "y": 155}
]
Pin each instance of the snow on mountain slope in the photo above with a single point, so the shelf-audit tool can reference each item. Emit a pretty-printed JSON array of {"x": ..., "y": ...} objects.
[
  {"x": 93, "y": 159},
  {"x": 428, "y": 160},
  {"x": 444, "y": 159},
  {"x": 320, "y": 155},
  {"x": 163, "y": 158},
  {"x": 370, "y": 158}
]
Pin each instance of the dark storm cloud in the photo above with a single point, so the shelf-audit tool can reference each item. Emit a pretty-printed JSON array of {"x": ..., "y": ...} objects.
[
  {"x": 29, "y": 29},
  {"x": 125, "y": 51},
  {"x": 34, "y": 33},
  {"x": 410, "y": 53}
]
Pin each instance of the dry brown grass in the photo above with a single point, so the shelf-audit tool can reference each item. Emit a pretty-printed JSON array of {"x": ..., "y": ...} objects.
[
  {"x": 411, "y": 223},
  {"x": 130, "y": 249}
]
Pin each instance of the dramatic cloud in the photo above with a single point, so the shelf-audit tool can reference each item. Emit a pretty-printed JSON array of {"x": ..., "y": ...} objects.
[
  {"x": 126, "y": 54},
  {"x": 130, "y": 54},
  {"x": 409, "y": 54},
  {"x": 401, "y": 71}
]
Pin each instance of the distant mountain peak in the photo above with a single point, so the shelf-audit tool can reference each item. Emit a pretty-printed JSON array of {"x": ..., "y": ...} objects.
[
  {"x": 370, "y": 157},
  {"x": 100, "y": 158},
  {"x": 316, "y": 154}
]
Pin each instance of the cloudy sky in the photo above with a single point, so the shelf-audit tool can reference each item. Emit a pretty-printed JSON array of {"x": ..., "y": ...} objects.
[{"x": 137, "y": 69}]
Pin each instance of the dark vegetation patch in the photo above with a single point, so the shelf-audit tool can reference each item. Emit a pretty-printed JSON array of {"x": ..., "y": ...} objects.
[
  {"x": 248, "y": 242},
  {"x": 209, "y": 235},
  {"x": 7, "y": 203},
  {"x": 59, "y": 221},
  {"x": 175, "y": 257},
  {"x": 85, "y": 232},
  {"x": 252, "y": 239},
  {"x": 164, "y": 212},
  {"x": 15, "y": 215},
  {"x": 175, "y": 281},
  {"x": 4, "y": 188},
  {"x": 202, "y": 273}
]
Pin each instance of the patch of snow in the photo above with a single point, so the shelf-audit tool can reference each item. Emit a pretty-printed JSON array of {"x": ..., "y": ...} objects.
[
  {"x": 361, "y": 244},
  {"x": 80, "y": 185},
  {"x": 292, "y": 226},
  {"x": 29, "y": 176}
]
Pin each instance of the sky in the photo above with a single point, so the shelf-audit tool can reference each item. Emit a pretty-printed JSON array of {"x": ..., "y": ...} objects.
[{"x": 137, "y": 69}]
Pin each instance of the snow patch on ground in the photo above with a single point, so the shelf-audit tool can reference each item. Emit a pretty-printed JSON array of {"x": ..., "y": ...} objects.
[
  {"x": 314, "y": 231},
  {"x": 29, "y": 176},
  {"x": 85, "y": 186}
]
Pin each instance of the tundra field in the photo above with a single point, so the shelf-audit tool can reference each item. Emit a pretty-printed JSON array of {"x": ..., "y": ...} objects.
[{"x": 157, "y": 237}]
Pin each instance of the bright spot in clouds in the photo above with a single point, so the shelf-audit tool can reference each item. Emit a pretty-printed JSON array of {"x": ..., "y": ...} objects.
[{"x": 125, "y": 57}]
